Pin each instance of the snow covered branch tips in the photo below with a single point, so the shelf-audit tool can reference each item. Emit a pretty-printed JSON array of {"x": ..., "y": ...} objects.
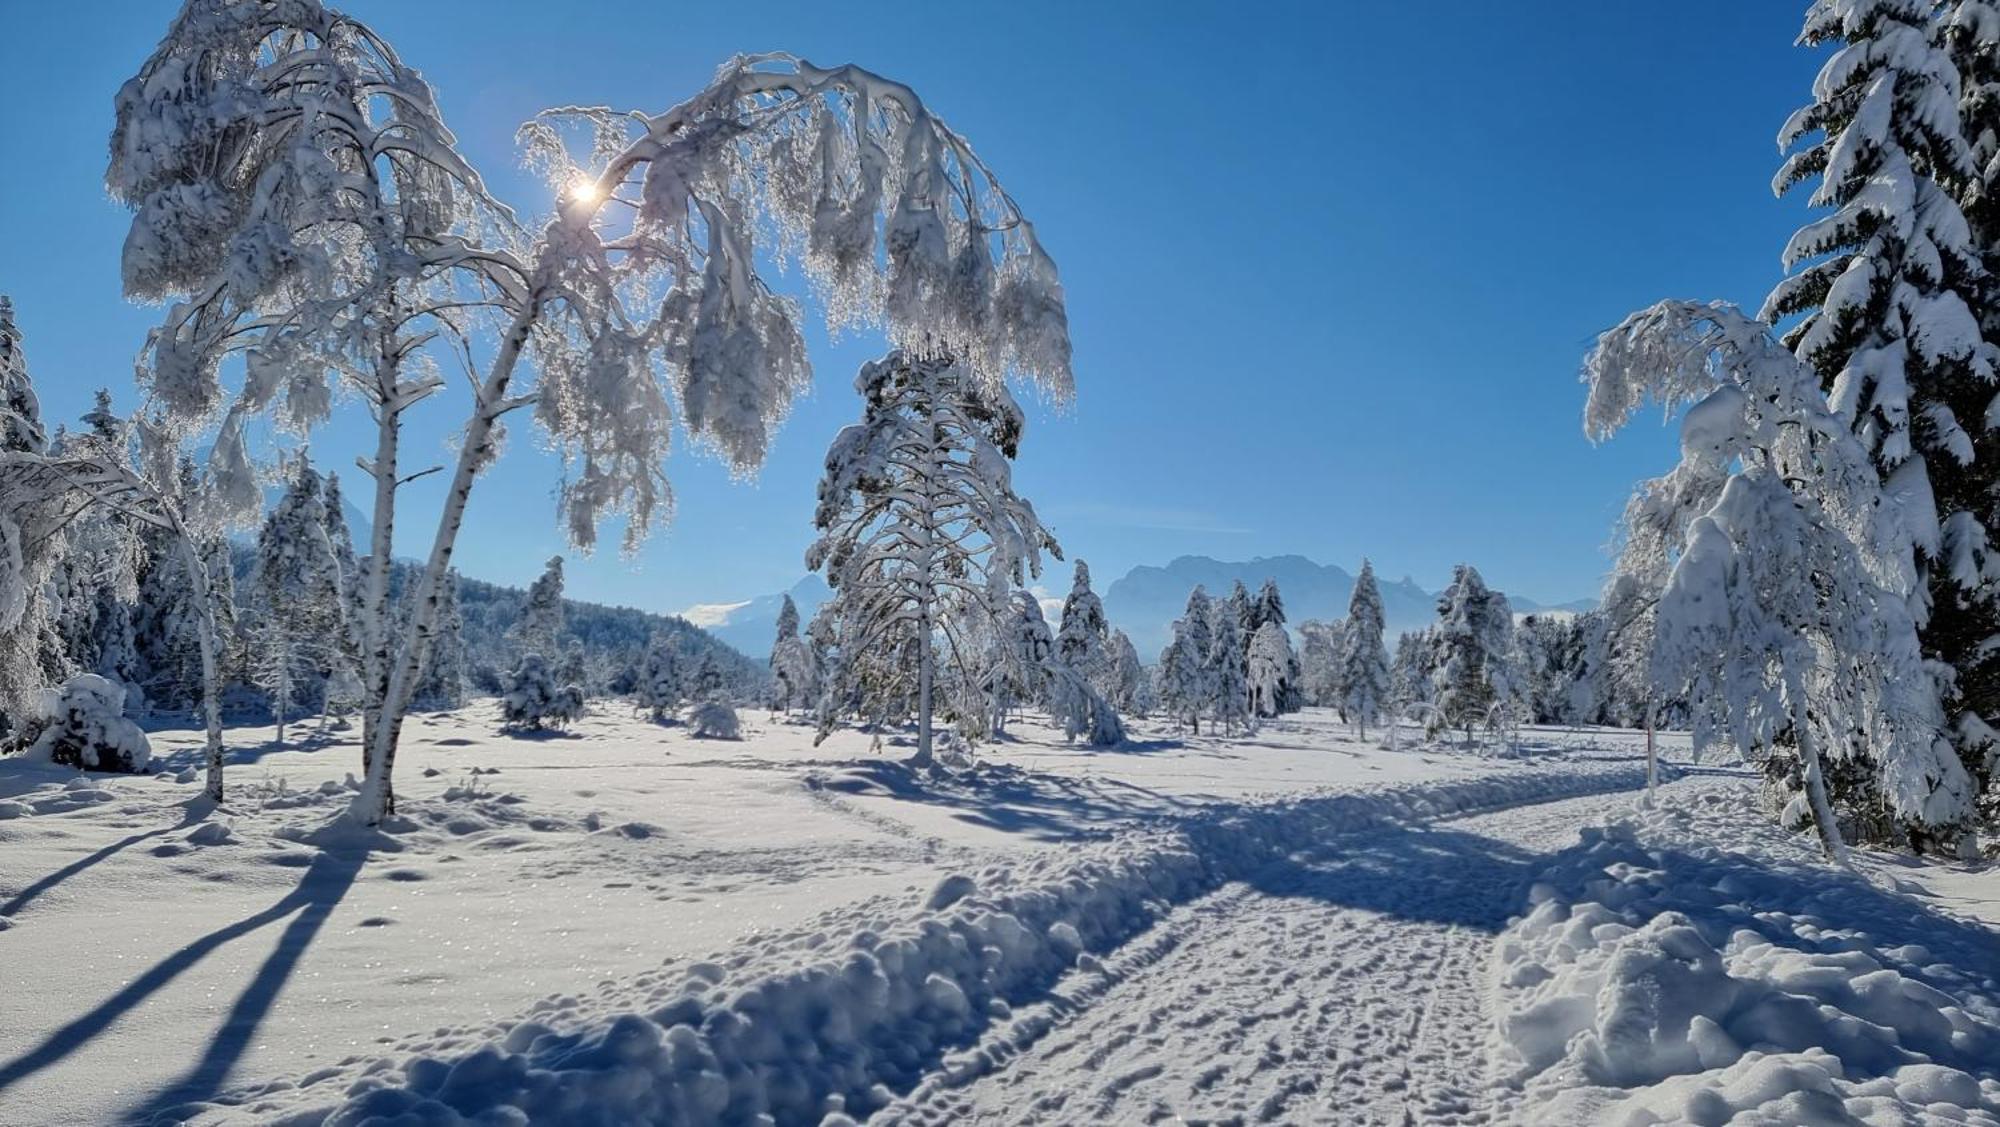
[
  {"x": 299, "y": 200},
  {"x": 1783, "y": 574}
]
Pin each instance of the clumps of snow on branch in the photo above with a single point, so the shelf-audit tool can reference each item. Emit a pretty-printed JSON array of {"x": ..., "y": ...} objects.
[
  {"x": 82, "y": 724},
  {"x": 1661, "y": 978}
]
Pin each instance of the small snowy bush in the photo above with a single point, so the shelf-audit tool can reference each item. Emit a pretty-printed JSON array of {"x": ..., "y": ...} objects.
[
  {"x": 534, "y": 700},
  {"x": 714, "y": 719},
  {"x": 83, "y": 724}
]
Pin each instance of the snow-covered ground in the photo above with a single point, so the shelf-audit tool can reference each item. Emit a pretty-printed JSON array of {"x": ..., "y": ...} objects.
[{"x": 624, "y": 923}]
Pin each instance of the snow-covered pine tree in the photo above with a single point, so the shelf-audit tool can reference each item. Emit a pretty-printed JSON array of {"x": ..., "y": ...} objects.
[
  {"x": 541, "y": 621},
  {"x": 535, "y": 699},
  {"x": 1187, "y": 667},
  {"x": 1320, "y": 665},
  {"x": 1127, "y": 676},
  {"x": 1889, "y": 289},
  {"x": 1272, "y": 669},
  {"x": 443, "y": 684},
  {"x": 1228, "y": 676},
  {"x": 1017, "y": 669},
  {"x": 295, "y": 585},
  {"x": 920, "y": 528},
  {"x": 660, "y": 689},
  {"x": 1364, "y": 662},
  {"x": 793, "y": 672},
  {"x": 1411, "y": 670},
  {"x": 1474, "y": 638},
  {"x": 31, "y": 540},
  {"x": 1788, "y": 602},
  {"x": 1083, "y": 634}
]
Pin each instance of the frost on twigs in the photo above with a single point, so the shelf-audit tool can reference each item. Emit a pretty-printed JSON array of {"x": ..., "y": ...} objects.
[{"x": 889, "y": 213}]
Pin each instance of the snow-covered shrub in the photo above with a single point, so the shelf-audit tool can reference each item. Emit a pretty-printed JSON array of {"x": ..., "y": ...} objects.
[
  {"x": 534, "y": 700},
  {"x": 714, "y": 719},
  {"x": 83, "y": 724}
]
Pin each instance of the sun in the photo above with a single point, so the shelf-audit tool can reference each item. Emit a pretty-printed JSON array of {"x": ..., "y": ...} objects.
[{"x": 582, "y": 190}]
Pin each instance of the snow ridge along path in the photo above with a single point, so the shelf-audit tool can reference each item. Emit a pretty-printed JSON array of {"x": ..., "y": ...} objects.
[{"x": 928, "y": 1004}]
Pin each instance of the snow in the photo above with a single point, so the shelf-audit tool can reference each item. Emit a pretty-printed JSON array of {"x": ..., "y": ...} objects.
[
  {"x": 623, "y": 917},
  {"x": 1693, "y": 964}
]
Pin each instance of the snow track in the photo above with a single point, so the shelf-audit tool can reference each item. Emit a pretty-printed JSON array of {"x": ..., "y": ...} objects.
[
  {"x": 1304, "y": 959},
  {"x": 1344, "y": 984}
]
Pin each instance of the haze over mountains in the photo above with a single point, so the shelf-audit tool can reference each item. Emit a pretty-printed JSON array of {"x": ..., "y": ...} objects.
[{"x": 1145, "y": 601}]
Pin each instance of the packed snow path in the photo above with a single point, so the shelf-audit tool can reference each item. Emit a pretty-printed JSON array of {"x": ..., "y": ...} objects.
[{"x": 1345, "y": 985}]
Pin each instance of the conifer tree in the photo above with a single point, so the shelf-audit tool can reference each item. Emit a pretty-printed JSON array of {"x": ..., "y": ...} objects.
[
  {"x": 921, "y": 533},
  {"x": 1890, "y": 289},
  {"x": 297, "y": 592},
  {"x": 443, "y": 683},
  {"x": 1474, "y": 638},
  {"x": 541, "y": 618},
  {"x": 660, "y": 689},
  {"x": 1082, "y": 634},
  {"x": 793, "y": 675},
  {"x": 1364, "y": 663},
  {"x": 1186, "y": 668},
  {"x": 1127, "y": 677},
  {"x": 1272, "y": 668},
  {"x": 1228, "y": 684}
]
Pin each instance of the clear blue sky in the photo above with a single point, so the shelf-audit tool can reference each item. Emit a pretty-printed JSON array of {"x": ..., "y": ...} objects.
[{"x": 1330, "y": 267}]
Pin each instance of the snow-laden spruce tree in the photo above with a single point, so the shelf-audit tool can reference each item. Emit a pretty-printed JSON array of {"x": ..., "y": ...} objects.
[
  {"x": 1082, "y": 634},
  {"x": 535, "y": 698},
  {"x": 1126, "y": 676},
  {"x": 660, "y": 689},
  {"x": 1474, "y": 638},
  {"x": 296, "y": 195},
  {"x": 1364, "y": 661},
  {"x": 541, "y": 621},
  {"x": 1187, "y": 677},
  {"x": 443, "y": 684},
  {"x": 1790, "y": 574},
  {"x": 1411, "y": 670},
  {"x": 794, "y": 672},
  {"x": 1020, "y": 648},
  {"x": 1271, "y": 670},
  {"x": 1321, "y": 647},
  {"x": 1888, "y": 289},
  {"x": 295, "y": 589},
  {"x": 1228, "y": 672},
  {"x": 920, "y": 528}
]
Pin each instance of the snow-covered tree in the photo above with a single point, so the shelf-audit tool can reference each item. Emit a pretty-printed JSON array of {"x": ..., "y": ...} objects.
[
  {"x": 295, "y": 585},
  {"x": 1127, "y": 676},
  {"x": 1021, "y": 649},
  {"x": 541, "y": 620},
  {"x": 1082, "y": 633},
  {"x": 1187, "y": 679},
  {"x": 1272, "y": 670},
  {"x": 1321, "y": 647},
  {"x": 1228, "y": 677},
  {"x": 1787, "y": 603},
  {"x": 83, "y": 724},
  {"x": 660, "y": 688},
  {"x": 1080, "y": 710},
  {"x": 1889, "y": 289},
  {"x": 443, "y": 686},
  {"x": 714, "y": 719},
  {"x": 1411, "y": 670},
  {"x": 1475, "y": 639},
  {"x": 794, "y": 673},
  {"x": 920, "y": 527},
  {"x": 536, "y": 699},
  {"x": 295, "y": 190},
  {"x": 1364, "y": 662}
]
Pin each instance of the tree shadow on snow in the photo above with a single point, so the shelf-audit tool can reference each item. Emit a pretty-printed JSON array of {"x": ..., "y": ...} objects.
[
  {"x": 1431, "y": 874},
  {"x": 244, "y": 755},
  {"x": 1044, "y": 807},
  {"x": 197, "y": 809},
  {"x": 319, "y": 890}
]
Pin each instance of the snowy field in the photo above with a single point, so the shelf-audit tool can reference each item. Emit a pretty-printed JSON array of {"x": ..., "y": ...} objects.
[{"x": 622, "y": 924}]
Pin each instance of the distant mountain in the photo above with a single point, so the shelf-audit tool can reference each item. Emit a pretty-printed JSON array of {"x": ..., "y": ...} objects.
[
  {"x": 752, "y": 625},
  {"x": 1146, "y": 600}
]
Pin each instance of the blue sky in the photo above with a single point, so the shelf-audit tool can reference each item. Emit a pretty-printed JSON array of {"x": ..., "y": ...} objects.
[{"x": 1330, "y": 267}]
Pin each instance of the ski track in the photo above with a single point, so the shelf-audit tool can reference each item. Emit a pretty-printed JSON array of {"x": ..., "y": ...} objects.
[{"x": 1343, "y": 986}]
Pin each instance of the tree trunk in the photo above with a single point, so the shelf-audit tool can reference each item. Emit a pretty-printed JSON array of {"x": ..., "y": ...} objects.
[
  {"x": 1816, "y": 800},
  {"x": 1652, "y": 758},
  {"x": 377, "y": 794},
  {"x": 211, "y": 677}
]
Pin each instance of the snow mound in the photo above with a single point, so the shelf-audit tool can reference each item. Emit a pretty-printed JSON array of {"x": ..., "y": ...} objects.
[
  {"x": 83, "y": 724},
  {"x": 842, "y": 1024},
  {"x": 1662, "y": 978}
]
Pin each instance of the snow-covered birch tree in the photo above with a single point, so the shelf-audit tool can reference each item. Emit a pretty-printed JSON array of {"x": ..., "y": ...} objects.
[
  {"x": 296, "y": 191},
  {"x": 920, "y": 529},
  {"x": 1789, "y": 573}
]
